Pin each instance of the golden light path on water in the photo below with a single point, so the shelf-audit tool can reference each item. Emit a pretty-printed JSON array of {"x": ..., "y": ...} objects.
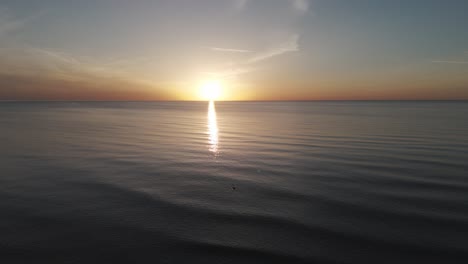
[{"x": 212, "y": 128}]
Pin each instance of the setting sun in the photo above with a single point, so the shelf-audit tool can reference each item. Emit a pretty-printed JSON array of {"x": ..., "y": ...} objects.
[{"x": 210, "y": 90}]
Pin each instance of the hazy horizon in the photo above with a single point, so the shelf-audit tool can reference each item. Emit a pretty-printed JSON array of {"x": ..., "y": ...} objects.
[{"x": 279, "y": 100}]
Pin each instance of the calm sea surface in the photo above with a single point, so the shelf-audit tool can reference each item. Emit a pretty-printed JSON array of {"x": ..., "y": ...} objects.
[{"x": 230, "y": 182}]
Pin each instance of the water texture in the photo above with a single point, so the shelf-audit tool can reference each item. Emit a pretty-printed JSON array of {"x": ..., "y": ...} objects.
[{"x": 234, "y": 182}]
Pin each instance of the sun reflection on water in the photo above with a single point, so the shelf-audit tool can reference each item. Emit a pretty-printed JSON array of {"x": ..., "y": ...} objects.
[{"x": 212, "y": 128}]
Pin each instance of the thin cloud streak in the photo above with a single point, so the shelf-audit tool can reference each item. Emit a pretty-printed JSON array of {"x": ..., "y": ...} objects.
[
  {"x": 244, "y": 67},
  {"x": 290, "y": 45},
  {"x": 231, "y": 73},
  {"x": 58, "y": 56},
  {"x": 60, "y": 66},
  {"x": 229, "y": 50},
  {"x": 450, "y": 62}
]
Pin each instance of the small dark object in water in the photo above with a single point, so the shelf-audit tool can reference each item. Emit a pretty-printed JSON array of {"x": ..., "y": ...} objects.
[{"x": 233, "y": 187}]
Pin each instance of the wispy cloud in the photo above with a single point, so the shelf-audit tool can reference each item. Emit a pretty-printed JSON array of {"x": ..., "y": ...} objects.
[
  {"x": 240, "y": 4},
  {"x": 289, "y": 12},
  {"x": 232, "y": 73},
  {"x": 289, "y": 45},
  {"x": 450, "y": 62},
  {"x": 229, "y": 50},
  {"x": 460, "y": 58},
  {"x": 301, "y": 6},
  {"x": 60, "y": 57},
  {"x": 249, "y": 64},
  {"x": 58, "y": 65},
  {"x": 44, "y": 74},
  {"x": 9, "y": 23}
]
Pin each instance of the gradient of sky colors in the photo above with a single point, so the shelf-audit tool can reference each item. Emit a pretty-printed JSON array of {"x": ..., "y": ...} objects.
[{"x": 258, "y": 49}]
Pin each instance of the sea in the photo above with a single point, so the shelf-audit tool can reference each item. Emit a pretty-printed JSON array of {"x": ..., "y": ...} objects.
[{"x": 234, "y": 182}]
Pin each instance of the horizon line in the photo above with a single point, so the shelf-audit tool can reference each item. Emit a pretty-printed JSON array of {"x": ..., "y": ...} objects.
[{"x": 307, "y": 100}]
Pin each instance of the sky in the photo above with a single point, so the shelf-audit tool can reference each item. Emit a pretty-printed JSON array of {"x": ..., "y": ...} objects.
[{"x": 256, "y": 49}]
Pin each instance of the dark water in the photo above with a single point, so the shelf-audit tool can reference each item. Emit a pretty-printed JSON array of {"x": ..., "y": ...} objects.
[{"x": 289, "y": 182}]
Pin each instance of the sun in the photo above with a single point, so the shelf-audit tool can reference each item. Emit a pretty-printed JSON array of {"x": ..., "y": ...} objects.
[{"x": 210, "y": 89}]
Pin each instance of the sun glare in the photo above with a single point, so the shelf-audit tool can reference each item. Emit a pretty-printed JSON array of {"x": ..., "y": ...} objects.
[{"x": 210, "y": 90}]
